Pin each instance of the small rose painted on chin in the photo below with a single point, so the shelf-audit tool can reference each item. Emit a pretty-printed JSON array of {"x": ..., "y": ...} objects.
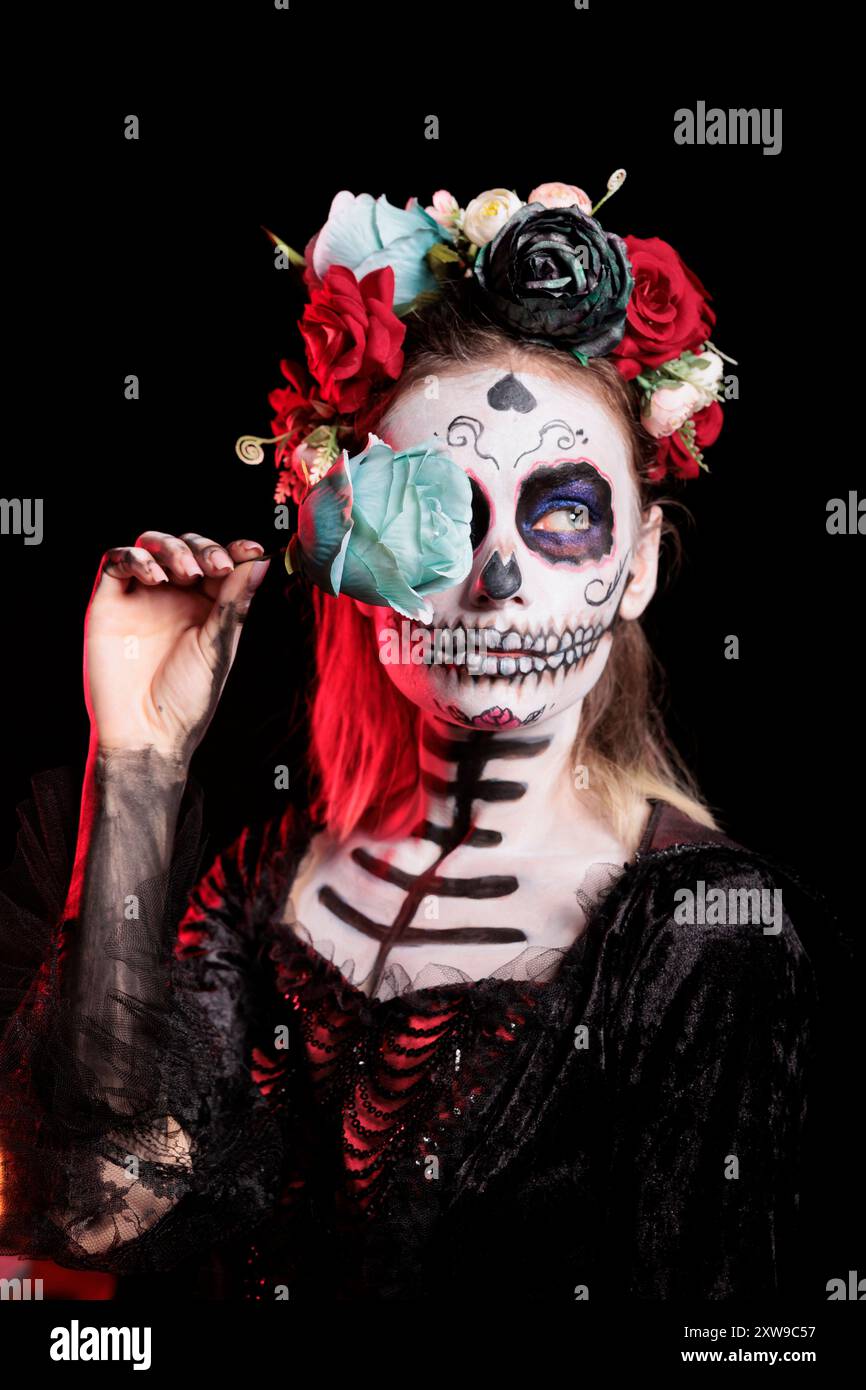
[{"x": 495, "y": 717}]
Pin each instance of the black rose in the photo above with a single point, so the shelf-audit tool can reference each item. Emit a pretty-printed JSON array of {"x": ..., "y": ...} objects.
[{"x": 555, "y": 275}]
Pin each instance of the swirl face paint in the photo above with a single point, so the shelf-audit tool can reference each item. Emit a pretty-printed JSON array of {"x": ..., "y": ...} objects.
[{"x": 554, "y": 519}]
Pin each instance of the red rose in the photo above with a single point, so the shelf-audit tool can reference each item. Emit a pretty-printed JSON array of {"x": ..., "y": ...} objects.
[
  {"x": 353, "y": 337},
  {"x": 310, "y": 278},
  {"x": 673, "y": 456},
  {"x": 298, "y": 410},
  {"x": 291, "y": 402},
  {"x": 298, "y": 413},
  {"x": 370, "y": 415},
  {"x": 667, "y": 313}
]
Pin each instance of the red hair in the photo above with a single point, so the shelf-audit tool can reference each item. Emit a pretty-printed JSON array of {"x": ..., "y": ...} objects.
[{"x": 364, "y": 731}]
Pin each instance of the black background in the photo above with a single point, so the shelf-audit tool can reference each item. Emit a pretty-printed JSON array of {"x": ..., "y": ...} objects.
[
  {"x": 148, "y": 257},
  {"x": 154, "y": 262}
]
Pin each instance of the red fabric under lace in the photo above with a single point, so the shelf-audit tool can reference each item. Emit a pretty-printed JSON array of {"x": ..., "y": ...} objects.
[{"x": 389, "y": 1073}]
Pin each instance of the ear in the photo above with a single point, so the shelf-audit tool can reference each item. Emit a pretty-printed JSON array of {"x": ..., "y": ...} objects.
[{"x": 644, "y": 565}]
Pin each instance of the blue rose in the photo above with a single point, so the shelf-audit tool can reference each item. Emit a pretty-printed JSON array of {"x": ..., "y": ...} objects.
[
  {"x": 366, "y": 233},
  {"x": 387, "y": 528}
]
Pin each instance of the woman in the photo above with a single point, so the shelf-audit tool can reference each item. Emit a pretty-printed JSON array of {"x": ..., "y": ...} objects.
[{"x": 465, "y": 1024}]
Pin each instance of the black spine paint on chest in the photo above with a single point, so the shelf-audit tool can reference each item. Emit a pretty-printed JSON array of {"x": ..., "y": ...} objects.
[{"x": 469, "y": 756}]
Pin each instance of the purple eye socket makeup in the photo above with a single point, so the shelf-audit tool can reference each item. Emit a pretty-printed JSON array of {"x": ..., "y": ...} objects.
[{"x": 565, "y": 512}]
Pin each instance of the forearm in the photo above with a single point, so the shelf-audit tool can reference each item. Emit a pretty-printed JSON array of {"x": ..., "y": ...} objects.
[{"x": 111, "y": 981}]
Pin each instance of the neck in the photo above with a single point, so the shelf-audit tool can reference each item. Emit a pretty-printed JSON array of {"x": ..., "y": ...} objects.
[{"x": 499, "y": 786}]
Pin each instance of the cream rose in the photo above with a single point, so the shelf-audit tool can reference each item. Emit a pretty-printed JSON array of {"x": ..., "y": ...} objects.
[
  {"x": 670, "y": 407},
  {"x": 488, "y": 213}
]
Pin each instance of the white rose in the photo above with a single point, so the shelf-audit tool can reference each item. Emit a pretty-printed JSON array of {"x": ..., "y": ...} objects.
[
  {"x": 488, "y": 213},
  {"x": 706, "y": 379},
  {"x": 670, "y": 407}
]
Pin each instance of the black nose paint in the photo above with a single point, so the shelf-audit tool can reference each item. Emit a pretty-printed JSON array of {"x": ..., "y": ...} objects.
[
  {"x": 510, "y": 394},
  {"x": 499, "y": 580}
]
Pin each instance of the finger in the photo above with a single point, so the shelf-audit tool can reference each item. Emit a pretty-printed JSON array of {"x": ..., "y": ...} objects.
[
  {"x": 240, "y": 552},
  {"x": 132, "y": 562},
  {"x": 220, "y": 632},
  {"x": 212, "y": 557},
  {"x": 174, "y": 554},
  {"x": 245, "y": 550}
]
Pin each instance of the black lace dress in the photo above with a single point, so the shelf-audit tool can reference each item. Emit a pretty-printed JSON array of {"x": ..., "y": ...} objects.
[{"x": 621, "y": 1119}]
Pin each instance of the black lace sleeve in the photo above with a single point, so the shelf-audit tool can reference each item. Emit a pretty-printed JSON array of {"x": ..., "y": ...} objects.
[
  {"x": 711, "y": 1040},
  {"x": 162, "y": 1143}
]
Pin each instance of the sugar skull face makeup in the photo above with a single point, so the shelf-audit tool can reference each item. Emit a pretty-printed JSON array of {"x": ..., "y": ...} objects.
[{"x": 555, "y": 532}]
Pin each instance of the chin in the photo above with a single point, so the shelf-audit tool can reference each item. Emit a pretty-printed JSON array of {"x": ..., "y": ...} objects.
[{"x": 502, "y": 694}]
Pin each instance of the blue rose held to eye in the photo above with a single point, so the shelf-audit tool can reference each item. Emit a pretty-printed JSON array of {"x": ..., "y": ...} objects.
[{"x": 387, "y": 528}]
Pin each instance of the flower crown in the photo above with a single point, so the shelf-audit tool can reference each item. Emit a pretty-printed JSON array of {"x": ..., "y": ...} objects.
[{"x": 545, "y": 269}]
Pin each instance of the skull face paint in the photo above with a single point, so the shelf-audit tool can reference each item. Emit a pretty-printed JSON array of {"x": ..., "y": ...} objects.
[{"x": 554, "y": 521}]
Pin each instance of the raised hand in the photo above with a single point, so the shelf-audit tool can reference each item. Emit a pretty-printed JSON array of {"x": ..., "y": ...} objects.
[{"x": 161, "y": 634}]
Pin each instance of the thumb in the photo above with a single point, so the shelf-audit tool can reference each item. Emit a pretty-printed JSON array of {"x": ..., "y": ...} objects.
[{"x": 231, "y": 606}]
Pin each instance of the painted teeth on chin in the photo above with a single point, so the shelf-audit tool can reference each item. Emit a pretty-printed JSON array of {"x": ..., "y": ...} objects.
[
  {"x": 517, "y": 669},
  {"x": 518, "y": 677}
]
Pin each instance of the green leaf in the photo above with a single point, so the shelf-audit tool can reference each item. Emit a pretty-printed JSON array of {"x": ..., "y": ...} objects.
[
  {"x": 440, "y": 251},
  {"x": 445, "y": 262},
  {"x": 688, "y": 438},
  {"x": 425, "y": 297}
]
